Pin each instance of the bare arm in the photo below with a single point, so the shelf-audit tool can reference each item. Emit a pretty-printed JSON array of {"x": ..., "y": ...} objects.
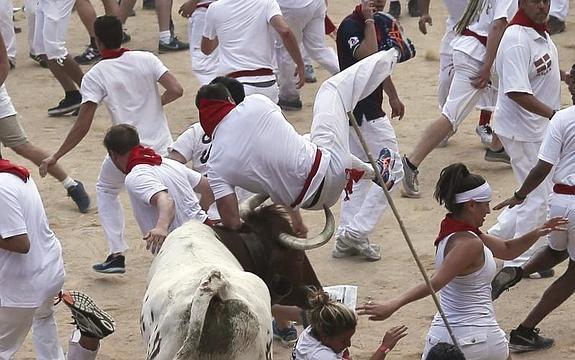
[
  {"x": 229, "y": 211},
  {"x": 165, "y": 206},
  {"x": 536, "y": 176},
  {"x": 4, "y": 63},
  {"x": 291, "y": 45},
  {"x": 173, "y": 88},
  {"x": 368, "y": 45},
  {"x": 496, "y": 31},
  {"x": 425, "y": 18},
  {"x": 188, "y": 8},
  {"x": 175, "y": 155},
  {"x": 297, "y": 222},
  {"x": 206, "y": 195},
  {"x": 208, "y": 46},
  {"x": 531, "y": 104},
  {"x": 397, "y": 107},
  {"x": 18, "y": 244}
]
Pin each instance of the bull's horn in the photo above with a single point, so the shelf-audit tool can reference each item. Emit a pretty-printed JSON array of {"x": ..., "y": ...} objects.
[
  {"x": 251, "y": 203},
  {"x": 294, "y": 242}
]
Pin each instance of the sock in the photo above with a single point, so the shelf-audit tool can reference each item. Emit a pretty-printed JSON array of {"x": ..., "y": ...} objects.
[
  {"x": 485, "y": 117},
  {"x": 165, "y": 36},
  {"x": 68, "y": 182},
  {"x": 93, "y": 42},
  {"x": 411, "y": 166}
]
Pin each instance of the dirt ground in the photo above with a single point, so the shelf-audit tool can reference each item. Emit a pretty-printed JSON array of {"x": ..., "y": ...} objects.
[{"x": 33, "y": 91}]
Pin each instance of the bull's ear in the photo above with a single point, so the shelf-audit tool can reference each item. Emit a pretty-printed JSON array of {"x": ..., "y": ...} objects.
[{"x": 280, "y": 287}]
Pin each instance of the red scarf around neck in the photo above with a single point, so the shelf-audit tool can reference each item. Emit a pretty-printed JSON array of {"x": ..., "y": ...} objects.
[
  {"x": 449, "y": 226},
  {"x": 113, "y": 53},
  {"x": 212, "y": 112},
  {"x": 521, "y": 19},
  {"x": 142, "y": 155},
  {"x": 20, "y": 171}
]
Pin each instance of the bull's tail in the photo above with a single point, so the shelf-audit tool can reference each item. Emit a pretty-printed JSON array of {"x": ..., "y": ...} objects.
[{"x": 210, "y": 286}]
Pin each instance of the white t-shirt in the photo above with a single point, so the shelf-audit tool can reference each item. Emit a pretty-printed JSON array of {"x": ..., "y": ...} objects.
[
  {"x": 558, "y": 147},
  {"x": 455, "y": 8},
  {"x": 6, "y": 107},
  {"x": 194, "y": 145},
  {"x": 310, "y": 348},
  {"x": 295, "y": 4},
  {"x": 144, "y": 181},
  {"x": 256, "y": 148},
  {"x": 27, "y": 280},
  {"x": 244, "y": 34},
  {"x": 492, "y": 10},
  {"x": 128, "y": 85},
  {"x": 526, "y": 62}
]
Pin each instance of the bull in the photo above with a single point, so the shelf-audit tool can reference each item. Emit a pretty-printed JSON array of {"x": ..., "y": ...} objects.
[{"x": 210, "y": 290}]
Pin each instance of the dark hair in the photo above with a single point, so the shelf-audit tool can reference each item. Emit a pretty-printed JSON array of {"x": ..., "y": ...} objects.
[
  {"x": 572, "y": 83},
  {"x": 444, "y": 351},
  {"x": 454, "y": 179},
  {"x": 121, "y": 138},
  {"x": 235, "y": 87},
  {"x": 109, "y": 30},
  {"x": 329, "y": 318},
  {"x": 212, "y": 91}
]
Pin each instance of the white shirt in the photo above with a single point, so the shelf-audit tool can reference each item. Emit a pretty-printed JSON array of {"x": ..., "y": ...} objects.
[
  {"x": 527, "y": 63},
  {"x": 27, "y": 280},
  {"x": 128, "y": 85},
  {"x": 144, "y": 181},
  {"x": 244, "y": 33},
  {"x": 256, "y": 148},
  {"x": 492, "y": 10},
  {"x": 6, "y": 107},
  {"x": 194, "y": 145},
  {"x": 295, "y": 4},
  {"x": 310, "y": 348},
  {"x": 558, "y": 147},
  {"x": 455, "y": 8}
]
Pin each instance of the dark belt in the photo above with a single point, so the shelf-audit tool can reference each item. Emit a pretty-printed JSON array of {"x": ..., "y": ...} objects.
[
  {"x": 205, "y": 6},
  {"x": 482, "y": 39},
  {"x": 307, "y": 183},
  {"x": 564, "y": 189},
  {"x": 256, "y": 72},
  {"x": 264, "y": 84}
]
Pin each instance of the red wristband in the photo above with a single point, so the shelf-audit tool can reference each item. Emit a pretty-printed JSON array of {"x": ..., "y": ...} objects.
[{"x": 384, "y": 349}]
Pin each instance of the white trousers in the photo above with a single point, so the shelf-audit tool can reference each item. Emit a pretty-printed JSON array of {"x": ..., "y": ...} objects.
[
  {"x": 7, "y": 28},
  {"x": 308, "y": 26},
  {"x": 272, "y": 91},
  {"x": 559, "y": 9},
  {"x": 51, "y": 28},
  {"x": 110, "y": 184},
  {"x": 30, "y": 7},
  {"x": 476, "y": 342},
  {"x": 563, "y": 205},
  {"x": 204, "y": 66},
  {"x": 361, "y": 212},
  {"x": 533, "y": 211}
]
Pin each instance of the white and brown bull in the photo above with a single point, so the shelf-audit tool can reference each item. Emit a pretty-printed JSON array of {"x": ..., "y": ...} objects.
[{"x": 208, "y": 294}]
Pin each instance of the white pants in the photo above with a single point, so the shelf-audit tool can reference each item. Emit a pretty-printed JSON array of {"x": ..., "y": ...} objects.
[
  {"x": 272, "y": 91},
  {"x": 532, "y": 212},
  {"x": 51, "y": 28},
  {"x": 559, "y": 9},
  {"x": 110, "y": 184},
  {"x": 7, "y": 28},
  {"x": 563, "y": 205},
  {"x": 204, "y": 66},
  {"x": 30, "y": 7},
  {"x": 360, "y": 214},
  {"x": 477, "y": 343},
  {"x": 308, "y": 26}
]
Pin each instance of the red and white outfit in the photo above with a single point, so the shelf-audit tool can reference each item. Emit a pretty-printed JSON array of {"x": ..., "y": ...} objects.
[
  {"x": 310, "y": 348},
  {"x": 7, "y": 28},
  {"x": 204, "y": 67},
  {"x": 245, "y": 42},
  {"x": 128, "y": 85},
  {"x": 527, "y": 62},
  {"x": 51, "y": 28}
]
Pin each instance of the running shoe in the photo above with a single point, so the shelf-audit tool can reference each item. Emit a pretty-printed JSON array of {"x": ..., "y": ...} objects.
[
  {"x": 497, "y": 156},
  {"x": 485, "y": 134},
  {"x": 80, "y": 196},
  {"x": 290, "y": 105},
  {"x": 114, "y": 264},
  {"x": 523, "y": 339},
  {"x": 66, "y": 106},
  {"x": 410, "y": 188},
  {"x": 89, "y": 318},
  {"x": 89, "y": 56},
  {"x": 505, "y": 279},
  {"x": 287, "y": 337},
  {"x": 309, "y": 74},
  {"x": 175, "y": 44}
]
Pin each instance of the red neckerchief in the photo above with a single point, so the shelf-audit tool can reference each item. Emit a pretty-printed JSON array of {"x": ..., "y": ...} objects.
[
  {"x": 521, "y": 18},
  {"x": 212, "y": 112},
  {"x": 20, "y": 171},
  {"x": 142, "y": 155},
  {"x": 345, "y": 355},
  {"x": 449, "y": 226},
  {"x": 112, "y": 53},
  {"x": 357, "y": 15}
]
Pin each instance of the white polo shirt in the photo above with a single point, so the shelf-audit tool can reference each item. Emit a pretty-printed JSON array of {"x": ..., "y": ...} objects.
[
  {"x": 256, "y": 148},
  {"x": 194, "y": 145},
  {"x": 526, "y": 62},
  {"x": 6, "y": 107},
  {"x": 244, "y": 33},
  {"x": 144, "y": 181},
  {"x": 27, "y": 280},
  {"x": 558, "y": 147},
  {"x": 128, "y": 85}
]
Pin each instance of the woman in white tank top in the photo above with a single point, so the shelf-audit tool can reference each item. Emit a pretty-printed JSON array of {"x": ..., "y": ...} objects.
[{"x": 464, "y": 268}]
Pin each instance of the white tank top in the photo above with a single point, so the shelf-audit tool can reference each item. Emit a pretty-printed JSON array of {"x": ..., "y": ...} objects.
[{"x": 466, "y": 300}]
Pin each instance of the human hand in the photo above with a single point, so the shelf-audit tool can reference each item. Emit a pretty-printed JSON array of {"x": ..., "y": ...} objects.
[
  {"x": 367, "y": 8},
  {"x": 511, "y": 202},
  {"x": 423, "y": 21},
  {"x": 397, "y": 108},
  {"x": 45, "y": 164},
  {"x": 377, "y": 312},
  {"x": 393, "y": 335},
  {"x": 300, "y": 229},
  {"x": 553, "y": 224},
  {"x": 187, "y": 9},
  {"x": 482, "y": 80},
  {"x": 155, "y": 238},
  {"x": 300, "y": 73}
]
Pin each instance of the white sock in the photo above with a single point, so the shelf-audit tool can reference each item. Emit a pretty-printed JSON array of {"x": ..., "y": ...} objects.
[
  {"x": 165, "y": 36},
  {"x": 69, "y": 182}
]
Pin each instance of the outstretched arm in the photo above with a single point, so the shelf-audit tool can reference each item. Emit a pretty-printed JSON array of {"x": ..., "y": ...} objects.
[
  {"x": 229, "y": 211},
  {"x": 166, "y": 208},
  {"x": 397, "y": 107}
]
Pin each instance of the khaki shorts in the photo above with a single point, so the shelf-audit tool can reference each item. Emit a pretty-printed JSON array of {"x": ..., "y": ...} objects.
[{"x": 11, "y": 133}]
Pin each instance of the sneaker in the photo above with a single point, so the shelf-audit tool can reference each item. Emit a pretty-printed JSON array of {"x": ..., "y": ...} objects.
[
  {"x": 66, "y": 106},
  {"x": 37, "y": 58},
  {"x": 485, "y": 134},
  {"x": 522, "y": 340},
  {"x": 385, "y": 163},
  {"x": 89, "y": 318},
  {"x": 89, "y": 56},
  {"x": 149, "y": 5},
  {"x": 80, "y": 196},
  {"x": 125, "y": 37},
  {"x": 371, "y": 252},
  {"x": 497, "y": 156},
  {"x": 342, "y": 249},
  {"x": 410, "y": 188},
  {"x": 543, "y": 274},
  {"x": 112, "y": 265},
  {"x": 288, "y": 336},
  {"x": 395, "y": 9},
  {"x": 504, "y": 280},
  {"x": 309, "y": 74},
  {"x": 413, "y": 8},
  {"x": 555, "y": 25},
  {"x": 346, "y": 247},
  {"x": 175, "y": 44},
  {"x": 290, "y": 105}
]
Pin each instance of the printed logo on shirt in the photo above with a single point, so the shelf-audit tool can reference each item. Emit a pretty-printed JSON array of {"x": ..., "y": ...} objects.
[
  {"x": 543, "y": 64},
  {"x": 353, "y": 41}
]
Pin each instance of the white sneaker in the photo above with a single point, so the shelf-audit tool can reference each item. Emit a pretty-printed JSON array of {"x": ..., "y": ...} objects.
[
  {"x": 347, "y": 247},
  {"x": 410, "y": 188},
  {"x": 485, "y": 134}
]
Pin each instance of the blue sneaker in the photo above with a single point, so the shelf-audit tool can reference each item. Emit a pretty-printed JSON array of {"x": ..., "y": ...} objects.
[
  {"x": 112, "y": 265},
  {"x": 385, "y": 163},
  {"x": 288, "y": 336}
]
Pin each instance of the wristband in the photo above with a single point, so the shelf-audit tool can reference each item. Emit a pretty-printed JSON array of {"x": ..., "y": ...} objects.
[
  {"x": 384, "y": 349},
  {"x": 519, "y": 197},
  {"x": 369, "y": 21}
]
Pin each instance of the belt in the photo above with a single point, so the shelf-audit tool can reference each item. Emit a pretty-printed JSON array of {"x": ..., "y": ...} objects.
[
  {"x": 205, "y": 6},
  {"x": 307, "y": 183},
  {"x": 256, "y": 72},
  {"x": 482, "y": 39},
  {"x": 264, "y": 84},
  {"x": 564, "y": 189}
]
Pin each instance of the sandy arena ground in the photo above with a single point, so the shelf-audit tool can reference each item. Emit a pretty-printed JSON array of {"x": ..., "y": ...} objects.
[{"x": 33, "y": 91}]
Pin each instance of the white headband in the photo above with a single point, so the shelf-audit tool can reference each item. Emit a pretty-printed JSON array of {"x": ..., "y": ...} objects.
[{"x": 480, "y": 194}]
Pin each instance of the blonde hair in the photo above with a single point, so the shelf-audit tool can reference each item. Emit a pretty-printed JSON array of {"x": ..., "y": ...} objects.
[{"x": 329, "y": 318}]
